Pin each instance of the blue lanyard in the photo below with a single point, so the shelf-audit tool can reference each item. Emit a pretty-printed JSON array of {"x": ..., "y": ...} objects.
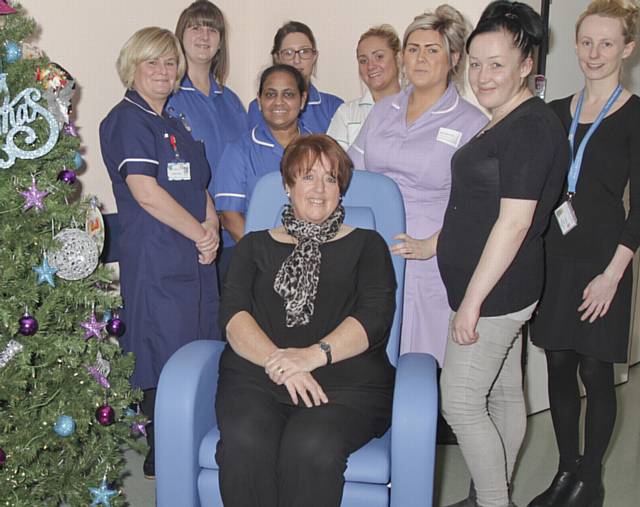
[{"x": 576, "y": 162}]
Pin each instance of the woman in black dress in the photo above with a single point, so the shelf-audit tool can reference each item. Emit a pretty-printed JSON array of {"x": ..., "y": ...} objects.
[
  {"x": 307, "y": 308},
  {"x": 583, "y": 318}
]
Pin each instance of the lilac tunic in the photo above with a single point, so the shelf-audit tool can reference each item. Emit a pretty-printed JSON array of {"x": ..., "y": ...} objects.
[{"x": 418, "y": 158}]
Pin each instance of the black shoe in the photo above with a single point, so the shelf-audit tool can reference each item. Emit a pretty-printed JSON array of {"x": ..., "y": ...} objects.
[
  {"x": 585, "y": 494},
  {"x": 555, "y": 494},
  {"x": 149, "y": 467}
]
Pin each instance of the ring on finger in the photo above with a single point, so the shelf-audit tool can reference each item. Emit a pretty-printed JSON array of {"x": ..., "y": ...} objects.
[{"x": 280, "y": 370}]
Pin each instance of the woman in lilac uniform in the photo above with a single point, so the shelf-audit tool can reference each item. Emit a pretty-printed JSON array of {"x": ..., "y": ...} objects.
[
  {"x": 295, "y": 45},
  {"x": 411, "y": 137},
  {"x": 169, "y": 226}
]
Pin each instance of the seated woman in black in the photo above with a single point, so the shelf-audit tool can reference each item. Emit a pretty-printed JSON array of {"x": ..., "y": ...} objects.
[{"x": 307, "y": 308}]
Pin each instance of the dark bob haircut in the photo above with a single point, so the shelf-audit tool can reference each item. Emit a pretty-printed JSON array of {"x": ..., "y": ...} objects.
[
  {"x": 305, "y": 151},
  {"x": 516, "y": 18},
  {"x": 301, "y": 84}
]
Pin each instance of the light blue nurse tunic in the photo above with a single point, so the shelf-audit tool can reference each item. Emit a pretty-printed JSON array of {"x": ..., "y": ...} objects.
[
  {"x": 169, "y": 298},
  {"x": 243, "y": 163},
  {"x": 216, "y": 119},
  {"x": 316, "y": 115}
]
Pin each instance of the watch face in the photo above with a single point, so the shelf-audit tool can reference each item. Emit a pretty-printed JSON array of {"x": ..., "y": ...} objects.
[{"x": 325, "y": 346}]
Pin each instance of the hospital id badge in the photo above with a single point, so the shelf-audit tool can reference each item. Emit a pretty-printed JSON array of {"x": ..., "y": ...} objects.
[
  {"x": 566, "y": 217},
  {"x": 179, "y": 171}
]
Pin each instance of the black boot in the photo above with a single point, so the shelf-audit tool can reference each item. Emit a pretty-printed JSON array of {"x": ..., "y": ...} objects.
[
  {"x": 556, "y": 493},
  {"x": 585, "y": 494}
]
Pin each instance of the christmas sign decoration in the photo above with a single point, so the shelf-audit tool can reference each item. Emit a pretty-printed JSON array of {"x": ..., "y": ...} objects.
[{"x": 15, "y": 117}]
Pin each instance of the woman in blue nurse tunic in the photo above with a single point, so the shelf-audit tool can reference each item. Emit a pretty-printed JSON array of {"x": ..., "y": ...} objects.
[
  {"x": 281, "y": 96},
  {"x": 211, "y": 110},
  {"x": 169, "y": 226},
  {"x": 295, "y": 45}
]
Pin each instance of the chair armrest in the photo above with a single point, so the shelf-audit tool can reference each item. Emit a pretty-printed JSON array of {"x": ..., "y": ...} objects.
[
  {"x": 184, "y": 413},
  {"x": 413, "y": 431}
]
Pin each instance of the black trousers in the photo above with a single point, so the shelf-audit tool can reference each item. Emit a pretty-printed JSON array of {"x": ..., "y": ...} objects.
[
  {"x": 148, "y": 406},
  {"x": 274, "y": 454}
]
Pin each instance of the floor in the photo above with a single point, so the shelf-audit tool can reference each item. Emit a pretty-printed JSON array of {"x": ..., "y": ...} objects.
[{"x": 537, "y": 464}]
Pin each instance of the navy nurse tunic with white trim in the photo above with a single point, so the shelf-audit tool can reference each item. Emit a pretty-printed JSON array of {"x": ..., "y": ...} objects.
[{"x": 169, "y": 298}]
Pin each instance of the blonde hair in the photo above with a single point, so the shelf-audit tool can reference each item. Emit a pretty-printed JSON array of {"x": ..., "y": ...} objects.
[
  {"x": 452, "y": 27},
  {"x": 148, "y": 44},
  {"x": 624, "y": 10},
  {"x": 385, "y": 32}
]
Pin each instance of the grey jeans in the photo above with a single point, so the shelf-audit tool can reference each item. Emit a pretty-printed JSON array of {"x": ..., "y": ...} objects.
[{"x": 482, "y": 400}]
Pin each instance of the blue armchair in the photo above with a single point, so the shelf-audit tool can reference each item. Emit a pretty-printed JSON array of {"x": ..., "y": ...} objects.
[{"x": 395, "y": 470}]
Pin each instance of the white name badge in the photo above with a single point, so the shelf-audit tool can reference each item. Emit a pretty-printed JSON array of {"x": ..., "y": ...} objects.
[
  {"x": 449, "y": 136},
  {"x": 179, "y": 171},
  {"x": 566, "y": 217}
]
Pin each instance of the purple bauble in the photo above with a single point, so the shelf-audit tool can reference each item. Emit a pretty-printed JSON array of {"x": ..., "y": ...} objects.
[
  {"x": 67, "y": 176},
  {"x": 105, "y": 415},
  {"x": 115, "y": 327},
  {"x": 3, "y": 458},
  {"x": 28, "y": 325}
]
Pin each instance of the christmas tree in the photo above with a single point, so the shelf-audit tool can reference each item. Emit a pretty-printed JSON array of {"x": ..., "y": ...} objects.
[{"x": 64, "y": 393}]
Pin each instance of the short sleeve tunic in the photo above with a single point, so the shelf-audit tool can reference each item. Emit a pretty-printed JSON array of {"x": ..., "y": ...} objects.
[
  {"x": 169, "y": 298},
  {"x": 418, "y": 158},
  {"x": 611, "y": 160},
  {"x": 244, "y": 161},
  {"x": 317, "y": 112},
  {"x": 349, "y": 118},
  {"x": 356, "y": 279},
  {"x": 215, "y": 119}
]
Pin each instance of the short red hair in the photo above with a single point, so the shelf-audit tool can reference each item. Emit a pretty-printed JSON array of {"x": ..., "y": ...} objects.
[{"x": 305, "y": 151}]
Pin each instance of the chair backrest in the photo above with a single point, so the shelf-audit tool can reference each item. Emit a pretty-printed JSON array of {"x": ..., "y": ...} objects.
[{"x": 372, "y": 201}]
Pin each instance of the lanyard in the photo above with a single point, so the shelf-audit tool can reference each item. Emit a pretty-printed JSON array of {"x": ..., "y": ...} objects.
[{"x": 576, "y": 162}]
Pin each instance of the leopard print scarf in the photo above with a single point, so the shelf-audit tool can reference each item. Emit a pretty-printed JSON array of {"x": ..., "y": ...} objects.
[{"x": 297, "y": 279}]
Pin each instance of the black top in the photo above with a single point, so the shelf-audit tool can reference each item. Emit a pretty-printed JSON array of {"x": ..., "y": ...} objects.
[
  {"x": 611, "y": 158},
  {"x": 524, "y": 156},
  {"x": 356, "y": 279}
]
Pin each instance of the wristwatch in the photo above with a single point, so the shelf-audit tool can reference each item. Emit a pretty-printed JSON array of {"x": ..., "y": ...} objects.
[{"x": 326, "y": 348}]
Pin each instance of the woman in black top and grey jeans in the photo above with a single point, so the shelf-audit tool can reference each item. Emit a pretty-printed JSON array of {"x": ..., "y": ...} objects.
[{"x": 505, "y": 183}]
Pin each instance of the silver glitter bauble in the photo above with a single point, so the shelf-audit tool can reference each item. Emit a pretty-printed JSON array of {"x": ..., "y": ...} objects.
[{"x": 77, "y": 256}]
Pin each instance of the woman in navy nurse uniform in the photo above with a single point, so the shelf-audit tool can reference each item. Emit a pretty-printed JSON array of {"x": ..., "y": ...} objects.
[
  {"x": 169, "y": 226},
  {"x": 211, "y": 110},
  {"x": 295, "y": 45}
]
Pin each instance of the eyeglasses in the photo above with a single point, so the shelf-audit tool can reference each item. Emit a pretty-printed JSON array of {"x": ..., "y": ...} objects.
[{"x": 303, "y": 53}]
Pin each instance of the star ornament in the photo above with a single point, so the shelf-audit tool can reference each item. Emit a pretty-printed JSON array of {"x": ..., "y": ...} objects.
[
  {"x": 102, "y": 495},
  {"x": 33, "y": 197},
  {"x": 45, "y": 272},
  {"x": 138, "y": 428},
  {"x": 93, "y": 327}
]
